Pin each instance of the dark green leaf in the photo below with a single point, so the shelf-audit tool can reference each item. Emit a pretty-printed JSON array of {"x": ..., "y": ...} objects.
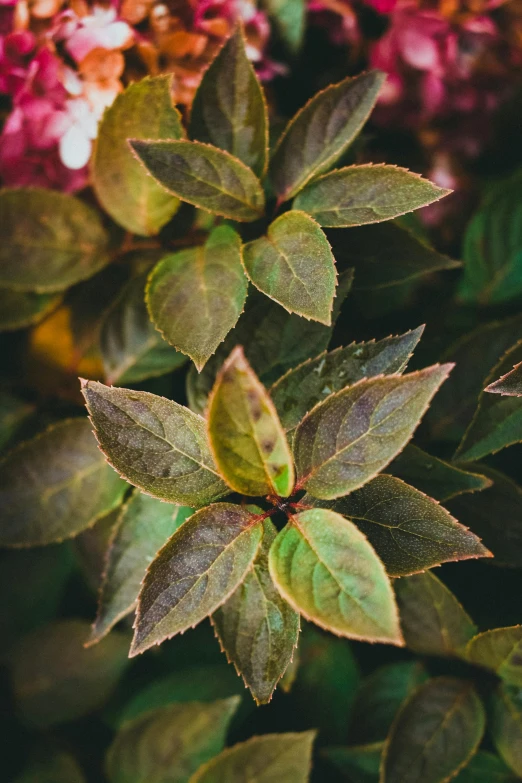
[
  {"x": 229, "y": 108},
  {"x": 435, "y": 734},
  {"x": 351, "y": 436},
  {"x": 499, "y": 650},
  {"x": 502, "y": 501},
  {"x": 493, "y": 248},
  {"x": 56, "y": 679},
  {"x": 143, "y": 527},
  {"x": 380, "y": 698},
  {"x": 204, "y": 176},
  {"x": 55, "y": 485},
  {"x": 432, "y": 620},
  {"x": 156, "y": 444},
  {"x": 436, "y": 477},
  {"x": 409, "y": 530},
  {"x": 52, "y": 767},
  {"x": 90, "y": 548},
  {"x": 132, "y": 349},
  {"x": 485, "y": 768},
  {"x": 385, "y": 255},
  {"x": 284, "y": 758},
  {"x": 505, "y": 725},
  {"x": 359, "y": 763},
  {"x": 509, "y": 385},
  {"x": 196, "y": 571},
  {"x": 497, "y": 422},
  {"x": 294, "y": 265},
  {"x": 196, "y": 296},
  {"x": 24, "y": 308},
  {"x": 246, "y": 437},
  {"x": 256, "y": 628},
  {"x": 326, "y": 683},
  {"x": 289, "y": 18},
  {"x": 319, "y": 134},
  {"x": 300, "y": 389},
  {"x": 370, "y": 193},
  {"x": 14, "y": 413},
  {"x": 327, "y": 570},
  {"x": 143, "y": 111},
  {"x": 50, "y": 240},
  {"x": 168, "y": 744}
]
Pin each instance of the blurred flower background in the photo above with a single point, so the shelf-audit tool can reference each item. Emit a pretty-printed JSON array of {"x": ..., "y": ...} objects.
[{"x": 453, "y": 66}]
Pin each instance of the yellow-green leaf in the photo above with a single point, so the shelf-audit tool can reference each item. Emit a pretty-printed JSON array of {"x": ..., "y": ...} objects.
[
  {"x": 294, "y": 265},
  {"x": 350, "y": 437},
  {"x": 246, "y": 437},
  {"x": 205, "y": 176},
  {"x": 143, "y": 111},
  {"x": 155, "y": 444},
  {"x": 326, "y": 569},
  {"x": 229, "y": 108},
  {"x": 196, "y": 296},
  {"x": 505, "y": 725},
  {"x": 196, "y": 571},
  {"x": 357, "y": 195},
  {"x": 499, "y": 650}
]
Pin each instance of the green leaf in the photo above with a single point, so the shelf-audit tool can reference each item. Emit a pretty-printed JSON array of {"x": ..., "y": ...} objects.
[
  {"x": 282, "y": 757},
  {"x": 168, "y": 744},
  {"x": 56, "y": 679},
  {"x": 497, "y": 422},
  {"x": 246, "y": 437},
  {"x": 53, "y": 766},
  {"x": 358, "y": 763},
  {"x": 289, "y": 19},
  {"x": 326, "y": 682},
  {"x": 493, "y": 248},
  {"x": 90, "y": 549},
  {"x": 196, "y": 296},
  {"x": 229, "y": 108},
  {"x": 327, "y": 570},
  {"x": 132, "y": 349},
  {"x": 370, "y": 193},
  {"x": 499, "y": 650},
  {"x": 351, "y": 436},
  {"x": 485, "y": 768},
  {"x": 436, "y": 477},
  {"x": 386, "y": 255},
  {"x": 14, "y": 413},
  {"x": 435, "y": 734},
  {"x": 509, "y": 385},
  {"x": 409, "y": 530},
  {"x": 502, "y": 501},
  {"x": 380, "y": 698},
  {"x": 143, "y": 527},
  {"x": 143, "y": 111},
  {"x": 35, "y": 581},
  {"x": 296, "y": 392},
  {"x": 204, "y": 176},
  {"x": 55, "y": 485},
  {"x": 24, "y": 308},
  {"x": 50, "y": 240},
  {"x": 156, "y": 444},
  {"x": 196, "y": 571},
  {"x": 294, "y": 265},
  {"x": 273, "y": 340},
  {"x": 474, "y": 355},
  {"x": 256, "y": 628},
  {"x": 319, "y": 134},
  {"x": 505, "y": 725},
  {"x": 432, "y": 620}
]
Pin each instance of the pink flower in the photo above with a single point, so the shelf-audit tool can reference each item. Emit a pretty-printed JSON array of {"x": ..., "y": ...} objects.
[{"x": 99, "y": 30}]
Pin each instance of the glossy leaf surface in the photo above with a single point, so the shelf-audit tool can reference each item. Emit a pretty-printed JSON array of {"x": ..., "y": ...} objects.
[
  {"x": 205, "y": 176},
  {"x": 196, "y": 296},
  {"x": 256, "y": 628},
  {"x": 351, "y": 436},
  {"x": 327, "y": 570},
  {"x": 196, "y": 571},
  {"x": 246, "y": 437},
  {"x": 133, "y": 199},
  {"x": 294, "y": 265},
  {"x": 156, "y": 444}
]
